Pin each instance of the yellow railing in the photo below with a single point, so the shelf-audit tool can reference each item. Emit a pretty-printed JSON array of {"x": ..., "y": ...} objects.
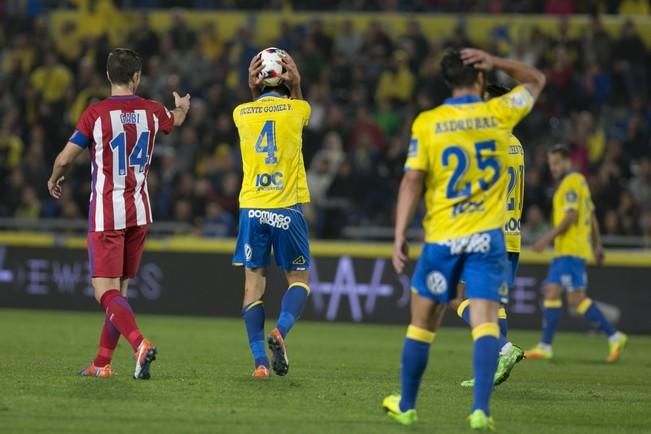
[
  {"x": 190, "y": 244},
  {"x": 266, "y": 25}
]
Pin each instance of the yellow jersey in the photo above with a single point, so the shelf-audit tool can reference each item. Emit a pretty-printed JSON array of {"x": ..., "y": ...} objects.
[
  {"x": 271, "y": 143},
  {"x": 514, "y": 195},
  {"x": 462, "y": 147},
  {"x": 573, "y": 194}
]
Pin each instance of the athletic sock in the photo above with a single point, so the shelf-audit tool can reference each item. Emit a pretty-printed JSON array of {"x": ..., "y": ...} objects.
[
  {"x": 119, "y": 314},
  {"x": 291, "y": 307},
  {"x": 415, "y": 353},
  {"x": 108, "y": 340},
  {"x": 464, "y": 313},
  {"x": 502, "y": 321},
  {"x": 484, "y": 361},
  {"x": 551, "y": 315},
  {"x": 253, "y": 314},
  {"x": 592, "y": 313}
]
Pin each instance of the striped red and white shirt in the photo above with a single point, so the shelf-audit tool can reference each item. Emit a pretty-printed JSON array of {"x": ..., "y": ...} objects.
[{"x": 120, "y": 132}]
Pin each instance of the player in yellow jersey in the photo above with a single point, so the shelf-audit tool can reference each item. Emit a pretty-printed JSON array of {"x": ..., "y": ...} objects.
[
  {"x": 575, "y": 234},
  {"x": 509, "y": 354},
  {"x": 274, "y": 187},
  {"x": 458, "y": 150}
]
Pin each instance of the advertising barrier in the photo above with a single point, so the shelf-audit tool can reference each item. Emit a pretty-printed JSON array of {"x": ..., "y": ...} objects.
[{"x": 348, "y": 282}]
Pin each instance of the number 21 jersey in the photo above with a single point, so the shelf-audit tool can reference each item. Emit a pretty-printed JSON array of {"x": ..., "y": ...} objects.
[
  {"x": 270, "y": 130},
  {"x": 462, "y": 146}
]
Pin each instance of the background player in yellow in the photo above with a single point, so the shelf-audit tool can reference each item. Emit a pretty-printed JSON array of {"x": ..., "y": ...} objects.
[
  {"x": 575, "y": 234},
  {"x": 274, "y": 187},
  {"x": 509, "y": 354},
  {"x": 458, "y": 150}
]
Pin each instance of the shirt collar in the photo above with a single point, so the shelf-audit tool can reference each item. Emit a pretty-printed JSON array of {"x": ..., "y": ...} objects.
[
  {"x": 273, "y": 94},
  {"x": 123, "y": 97},
  {"x": 465, "y": 99}
]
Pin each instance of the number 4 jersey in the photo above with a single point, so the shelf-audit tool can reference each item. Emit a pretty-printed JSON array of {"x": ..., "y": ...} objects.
[
  {"x": 120, "y": 132},
  {"x": 271, "y": 130},
  {"x": 462, "y": 147}
]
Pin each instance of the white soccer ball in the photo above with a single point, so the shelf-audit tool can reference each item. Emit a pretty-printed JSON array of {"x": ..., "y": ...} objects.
[{"x": 272, "y": 66}]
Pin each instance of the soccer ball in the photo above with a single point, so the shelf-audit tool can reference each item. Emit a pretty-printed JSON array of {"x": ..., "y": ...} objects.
[{"x": 272, "y": 66}]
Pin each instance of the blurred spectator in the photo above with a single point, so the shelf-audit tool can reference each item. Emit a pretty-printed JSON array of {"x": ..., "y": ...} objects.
[
  {"x": 534, "y": 225},
  {"x": 397, "y": 81},
  {"x": 348, "y": 40},
  {"x": 52, "y": 79},
  {"x": 640, "y": 186}
]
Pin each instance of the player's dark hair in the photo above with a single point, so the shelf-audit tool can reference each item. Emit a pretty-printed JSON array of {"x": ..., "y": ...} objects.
[
  {"x": 281, "y": 89},
  {"x": 121, "y": 64},
  {"x": 561, "y": 150},
  {"x": 494, "y": 90},
  {"x": 455, "y": 72}
]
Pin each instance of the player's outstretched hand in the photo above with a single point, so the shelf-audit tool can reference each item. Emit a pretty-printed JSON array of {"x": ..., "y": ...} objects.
[
  {"x": 400, "y": 255},
  {"x": 54, "y": 187},
  {"x": 255, "y": 68},
  {"x": 182, "y": 102},
  {"x": 478, "y": 58},
  {"x": 599, "y": 255},
  {"x": 291, "y": 74},
  {"x": 540, "y": 245}
]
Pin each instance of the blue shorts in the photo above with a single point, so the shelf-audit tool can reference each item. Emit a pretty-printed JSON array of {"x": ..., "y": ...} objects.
[
  {"x": 479, "y": 260},
  {"x": 568, "y": 272},
  {"x": 284, "y": 229}
]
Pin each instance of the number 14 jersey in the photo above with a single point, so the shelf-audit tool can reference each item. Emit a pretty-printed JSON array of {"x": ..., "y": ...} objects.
[
  {"x": 462, "y": 147},
  {"x": 120, "y": 132},
  {"x": 270, "y": 130}
]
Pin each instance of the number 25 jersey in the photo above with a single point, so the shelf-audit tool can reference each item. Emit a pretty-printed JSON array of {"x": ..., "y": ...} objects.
[
  {"x": 270, "y": 130},
  {"x": 462, "y": 147}
]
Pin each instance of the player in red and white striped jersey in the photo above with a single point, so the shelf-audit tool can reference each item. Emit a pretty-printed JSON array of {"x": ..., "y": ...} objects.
[{"x": 119, "y": 133}]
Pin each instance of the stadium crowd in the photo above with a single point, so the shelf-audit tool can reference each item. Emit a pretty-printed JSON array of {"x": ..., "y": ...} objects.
[{"x": 365, "y": 87}]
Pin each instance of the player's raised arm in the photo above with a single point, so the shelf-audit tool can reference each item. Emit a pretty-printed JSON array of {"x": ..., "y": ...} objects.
[
  {"x": 532, "y": 78},
  {"x": 61, "y": 166},
  {"x": 255, "y": 78},
  {"x": 292, "y": 77},
  {"x": 182, "y": 108}
]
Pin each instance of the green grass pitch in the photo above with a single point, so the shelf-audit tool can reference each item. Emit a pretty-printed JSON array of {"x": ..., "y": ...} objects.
[{"x": 339, "y": 374}]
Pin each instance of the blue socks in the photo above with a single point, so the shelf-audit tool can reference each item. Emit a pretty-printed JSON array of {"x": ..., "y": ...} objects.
[
  {"x": 254, "y": 319},
  {"x": 253, "y": 313},
  {"x": 484, "y": 361},
  {"x": 551, "y": 315},
  {"x": 292, "y": 307},
  {"x": 415, "y": 353},
  {"x": 502, "y": 322},
  {"x": 593, "y": 314}
]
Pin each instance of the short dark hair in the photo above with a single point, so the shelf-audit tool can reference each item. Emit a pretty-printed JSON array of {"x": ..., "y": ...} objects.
[
  {"x": 561, "y": 150},
  {"x": 121, "y": 64},
  {"x": 455, "y": 72},
  {"x": 494, "y": 90},
  {"x": 281, "y": 89}
]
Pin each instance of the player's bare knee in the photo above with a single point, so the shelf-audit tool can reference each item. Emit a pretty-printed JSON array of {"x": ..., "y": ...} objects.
[
  {"x": 297, "y": 276},
  {"x": 454, "y": 304},
  {"x": 552, "y": 292},
  {"x": 574, "y": 299}
]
